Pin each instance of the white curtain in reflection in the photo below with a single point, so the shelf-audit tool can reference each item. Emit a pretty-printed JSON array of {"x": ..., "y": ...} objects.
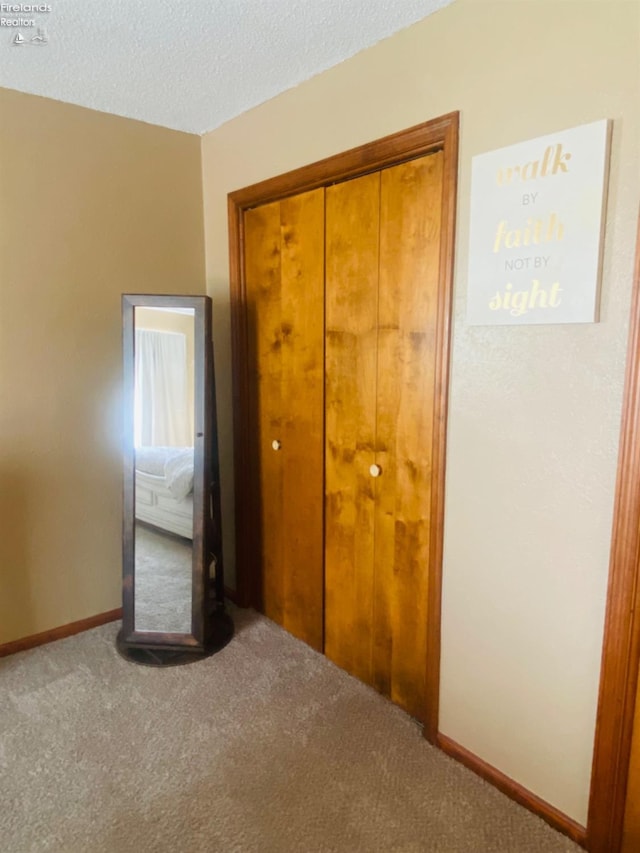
[{"x": 161, "y": 393}]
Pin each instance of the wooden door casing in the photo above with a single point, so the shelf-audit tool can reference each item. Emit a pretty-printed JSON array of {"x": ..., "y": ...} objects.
[
  {"x": 631, "y": 826},
  {"x": 614, "y": 818}
]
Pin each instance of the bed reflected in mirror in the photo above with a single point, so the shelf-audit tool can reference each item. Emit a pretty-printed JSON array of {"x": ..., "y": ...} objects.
[{"x": 164, "y": 467}]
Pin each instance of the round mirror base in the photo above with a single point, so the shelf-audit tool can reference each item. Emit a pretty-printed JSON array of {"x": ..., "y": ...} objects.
[{"x": 221, "y": 634}]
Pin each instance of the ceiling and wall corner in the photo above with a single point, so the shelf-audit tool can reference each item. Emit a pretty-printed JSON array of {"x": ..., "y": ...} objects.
[{"x": 190, "y": 66}]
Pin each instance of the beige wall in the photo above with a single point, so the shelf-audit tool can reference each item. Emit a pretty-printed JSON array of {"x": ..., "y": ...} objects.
[
  {"x": 91, "y": 206},
  {"x": 534, "y": 411}
]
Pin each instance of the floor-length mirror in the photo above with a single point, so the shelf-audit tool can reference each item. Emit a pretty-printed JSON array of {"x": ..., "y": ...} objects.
[
  {"x": 164, "y": 467},
  {"x": 171, "y": 527}
]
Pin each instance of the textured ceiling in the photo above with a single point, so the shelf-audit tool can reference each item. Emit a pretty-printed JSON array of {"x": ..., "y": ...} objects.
[{"x": 188, "y": 64}]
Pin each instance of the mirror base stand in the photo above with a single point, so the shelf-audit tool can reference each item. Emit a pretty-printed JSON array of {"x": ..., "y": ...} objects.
[{"x": 221, "y": 633}]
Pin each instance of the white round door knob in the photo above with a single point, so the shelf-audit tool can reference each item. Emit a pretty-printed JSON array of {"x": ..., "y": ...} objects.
[
  {"x": 276, "y": 444},
  {"x": 375, "y": 470}
]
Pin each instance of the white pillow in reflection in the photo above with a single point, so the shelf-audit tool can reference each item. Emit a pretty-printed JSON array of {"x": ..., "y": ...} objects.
[
  {"x": 152, "y": 460},
  {"x": 178, "y": 472}
]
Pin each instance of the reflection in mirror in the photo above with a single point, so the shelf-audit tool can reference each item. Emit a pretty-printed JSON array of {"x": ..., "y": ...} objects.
[{"x": 163, "y": 426}]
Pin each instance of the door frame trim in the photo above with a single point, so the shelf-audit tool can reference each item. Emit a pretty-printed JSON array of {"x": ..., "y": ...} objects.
[
  {"x": 621, "y": 646},
  {"x": 440, "y": 134}
]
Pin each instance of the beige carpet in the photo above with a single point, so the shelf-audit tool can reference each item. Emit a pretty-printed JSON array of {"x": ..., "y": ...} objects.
[{"x": 265, "y": 747}]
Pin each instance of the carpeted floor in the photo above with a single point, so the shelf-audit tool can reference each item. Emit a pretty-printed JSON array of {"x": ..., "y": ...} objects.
[{"x": 265, "y": 747}]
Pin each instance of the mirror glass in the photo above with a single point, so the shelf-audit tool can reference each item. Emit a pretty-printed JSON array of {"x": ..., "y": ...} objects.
[{"x": 163, "y": 441}]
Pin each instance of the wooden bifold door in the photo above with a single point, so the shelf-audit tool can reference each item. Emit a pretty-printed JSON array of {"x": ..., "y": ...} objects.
[
  {"x": 382, "y": 272},
  {"x": 284, "y": 276},
  {"x": 342, "y": 334}
]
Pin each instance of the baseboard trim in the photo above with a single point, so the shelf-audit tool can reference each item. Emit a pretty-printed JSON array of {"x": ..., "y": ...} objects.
[
  {"x": 74, "y": 628},
  {"x": 555, "y": 818},
  {"x": 59, "y": 633}
]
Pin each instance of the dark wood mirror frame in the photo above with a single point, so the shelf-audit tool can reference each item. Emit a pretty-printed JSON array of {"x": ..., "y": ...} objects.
[{"x": 211, "y": 627}]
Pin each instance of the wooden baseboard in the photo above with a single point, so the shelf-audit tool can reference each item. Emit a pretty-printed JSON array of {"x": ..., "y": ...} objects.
[
  {"x": 74, "y": 628},
  {"x": 555, "y": 818},
  {"x": 59, "y": 633}
]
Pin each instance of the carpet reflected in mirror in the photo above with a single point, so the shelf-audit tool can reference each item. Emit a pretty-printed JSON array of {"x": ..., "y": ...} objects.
[{"x": 162, "y": 581}]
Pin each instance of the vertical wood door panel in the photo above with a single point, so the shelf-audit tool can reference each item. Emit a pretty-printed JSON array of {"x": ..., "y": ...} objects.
[
  {"x": 284, "y": 275},
  {"x": 410, "y": 232},
  {"x": 352, "y": 216},
  {"x": 302, "y": 347},
  {"x": 262, "y": 277},
  {"x": 383, "y": 236}
]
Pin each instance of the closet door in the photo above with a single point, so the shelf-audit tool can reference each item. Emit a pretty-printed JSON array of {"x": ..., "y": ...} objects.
[
  {"x": 352, "y": 256},
  {"x": 410, "y": 232},
  {"x": 381, "y": 298},
  {"x": 284, "y": 278}
]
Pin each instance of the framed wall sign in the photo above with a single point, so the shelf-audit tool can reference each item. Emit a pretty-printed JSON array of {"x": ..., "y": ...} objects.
[{"x": 535, "y": 240}]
